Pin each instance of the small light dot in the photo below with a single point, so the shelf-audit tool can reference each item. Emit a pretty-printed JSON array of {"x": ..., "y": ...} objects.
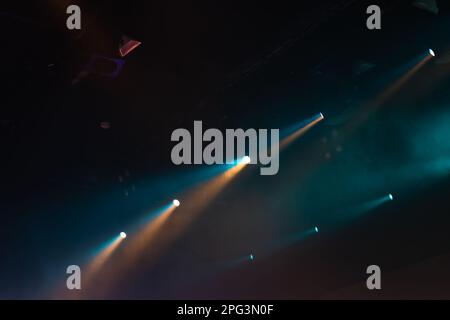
[
  {"x": 176, "y": 203},
  {"x": 123, "y": 235}
]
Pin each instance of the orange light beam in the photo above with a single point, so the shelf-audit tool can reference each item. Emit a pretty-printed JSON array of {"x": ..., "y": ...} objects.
[
  {"x": 400, "y": 82},
  {"x": 372, "y": 106},
  {"x": 148, "y": 234},
  {"x": 100, "y": 259},
  {"x": 158, "y": 234},
  {"x": 298, "y": 133}
]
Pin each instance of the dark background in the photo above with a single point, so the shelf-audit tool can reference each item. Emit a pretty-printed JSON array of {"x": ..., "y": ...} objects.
[{"x": 67, "y": 184}]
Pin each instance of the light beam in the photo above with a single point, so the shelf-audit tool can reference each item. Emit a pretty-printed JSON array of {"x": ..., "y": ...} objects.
[{"x": 299, "y": 130}]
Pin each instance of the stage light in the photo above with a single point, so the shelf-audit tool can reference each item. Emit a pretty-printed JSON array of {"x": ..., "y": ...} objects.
[
  {"x": 316, "y": 229},
  {"x": 246, "y": 160},
  {"x": 432, "y": 52},
  {"x": 367, "y": 206},
  {"x": 102, "y": 256},
  {"x": 149, "y": 233},
  {"x": 251, "y": 257},
  {"x": 298, "y": 130},
  {"x": 153, "y": 234}
]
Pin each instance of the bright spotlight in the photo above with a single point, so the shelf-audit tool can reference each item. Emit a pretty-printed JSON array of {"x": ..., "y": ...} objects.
[
  {"x": 251, "y": 257},
  {"x": 123, "y": 235},
  {"x": 316, "y": 229},
  {"x": 321, "y": 115},
  {"x": 432, "y": 52},
  {"x": 391, "y": 197},
  {"x": 246, "y": 160},
  {"x": 176, "y": 203}
]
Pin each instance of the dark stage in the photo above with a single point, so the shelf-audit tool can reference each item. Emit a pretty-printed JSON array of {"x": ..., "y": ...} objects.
[{"x": 119, "y": 176}]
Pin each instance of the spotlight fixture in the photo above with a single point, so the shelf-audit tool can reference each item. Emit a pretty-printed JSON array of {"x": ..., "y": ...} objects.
[
  {"x": 316, "y": 229},
  {"x": 123, "y": 235},
  {"x": 432, "y": 52},
  {"x": 176, "y": 203},
  {"x": 391, "y": 197}
]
